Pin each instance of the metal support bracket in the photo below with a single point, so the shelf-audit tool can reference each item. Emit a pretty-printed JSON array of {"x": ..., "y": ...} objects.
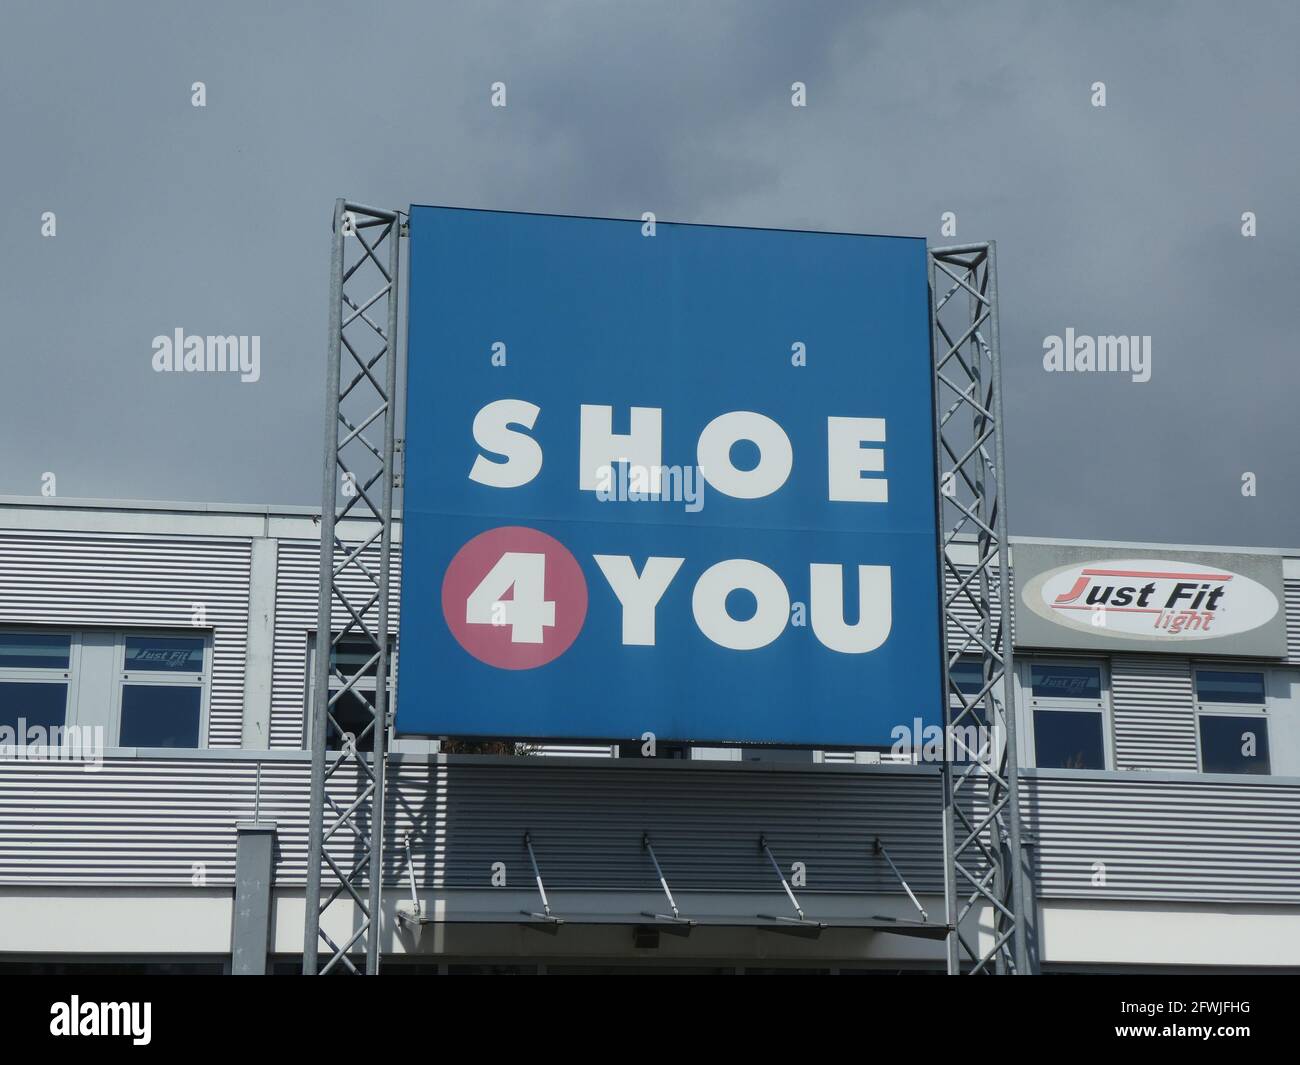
[
  {"x": 416, "y": 915},
  {"x": 879, "y": 848},
  {"x": 800, "y": 920},
  {"x": 546, "y": 914},
  {"x": 676, "y": 918}
]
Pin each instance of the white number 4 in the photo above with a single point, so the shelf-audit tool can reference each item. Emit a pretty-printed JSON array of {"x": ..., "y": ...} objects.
[{"x": 528, "y": 612}]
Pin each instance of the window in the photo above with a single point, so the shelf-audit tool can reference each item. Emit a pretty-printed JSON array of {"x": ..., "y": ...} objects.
[
  {"x": 138, "y": 688},
  {"x": 1233, "y": 744},
  {"x": 1232, "y": 721},
  {"x": 1066, "y": 739},
  {"x": 1223, "y": 686},
  {"x": 775, "y": 754},
  {"x": 163, "y": 654},
  {"x": 35, "y": 669},
  {"x": 34, "y": 650},
  {"x": 353, "y": 713},
  {"x": 162, "y": 685},
  {"x": 968, "y": 675},
  {"x": 632, "y": 749},
  {"x": 1068, "y": 715},
  {"x": 1050, "y": 681},
  {"x": 970, "y": 739},
  {"x": 353, "y": 716}
]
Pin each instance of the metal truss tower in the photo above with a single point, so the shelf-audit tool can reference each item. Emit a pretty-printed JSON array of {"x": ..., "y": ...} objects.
[
  {"x": 985, "y": 882},
  {"x": 346, "y": 820}
]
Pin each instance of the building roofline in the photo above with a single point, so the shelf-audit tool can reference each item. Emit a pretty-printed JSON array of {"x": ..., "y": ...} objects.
[
  {"x": 270, "y": 511},
  {"x": 158, "y": 506},
  {"x": 144, "y": 518},
  {"x": 1233, "y": 549}
]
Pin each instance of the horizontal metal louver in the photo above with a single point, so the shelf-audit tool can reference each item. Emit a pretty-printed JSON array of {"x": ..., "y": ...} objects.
[
  {"x": 163, "y": 821},
  {"x": 129, "y": 822},
  {"x": 1193, "y": 840},
  {"x": 965, "y": 608},
  {"x": 169, "y": 821},
  {"x": 1154, "y": 713},
  {"x": 1293, "y": 621}
]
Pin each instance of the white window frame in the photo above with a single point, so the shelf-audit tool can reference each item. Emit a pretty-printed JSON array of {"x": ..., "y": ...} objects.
[
  {"x": 158, "y": 677},
  {"x": 67, "y": 676},
  {"x": 1100, "y": 706},
  {"x": 104, "y": 709},
  {"x": 363, "y": 684},
  {"x": 1246, "y": 710}
]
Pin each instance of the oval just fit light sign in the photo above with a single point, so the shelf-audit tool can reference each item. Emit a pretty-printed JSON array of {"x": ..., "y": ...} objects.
[{"x": 1151, "y": 599}]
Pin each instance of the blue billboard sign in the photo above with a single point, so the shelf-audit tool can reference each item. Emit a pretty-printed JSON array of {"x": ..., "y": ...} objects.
[{"x": 669, "y": 479}]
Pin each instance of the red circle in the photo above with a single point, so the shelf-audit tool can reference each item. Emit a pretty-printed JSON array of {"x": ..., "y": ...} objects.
[{"x": 495, "y": 644}]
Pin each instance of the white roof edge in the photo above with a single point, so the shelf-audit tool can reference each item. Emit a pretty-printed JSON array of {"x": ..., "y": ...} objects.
[
  {"x": 1290, "y": 552},
  {"x": 159, "y": 506}
]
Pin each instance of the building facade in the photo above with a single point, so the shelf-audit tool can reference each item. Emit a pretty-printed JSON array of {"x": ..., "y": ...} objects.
[{"x": 172, "y": 646}]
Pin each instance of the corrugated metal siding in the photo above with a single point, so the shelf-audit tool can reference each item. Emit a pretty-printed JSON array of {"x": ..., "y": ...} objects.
[
  {"x": 154, "y": 821},
  {"x": 1154, "y": 713},
  {"x": 297, "y": 598},
  {"x": 135, "y": 581},
  {"x": 964, "y": 609},
  {"x": 131, "y": 822},
  {"x": 1293, "y": 621},
  {"x": 138, "y": 822},
  {"x": 1192, "y": 840},
  {"x": 586, "y": 824}
]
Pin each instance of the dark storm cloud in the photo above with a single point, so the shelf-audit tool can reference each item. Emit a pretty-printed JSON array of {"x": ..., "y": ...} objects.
[{"x": 1117, "y": 220}]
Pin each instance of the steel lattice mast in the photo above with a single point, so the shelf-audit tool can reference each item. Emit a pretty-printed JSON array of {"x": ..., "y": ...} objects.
[
  {"x": 985, "y": 881},
  {"x": 345, "y": 836}
]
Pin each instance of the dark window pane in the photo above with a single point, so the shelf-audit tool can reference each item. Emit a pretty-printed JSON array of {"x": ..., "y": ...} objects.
[
  {"x": 969, "y": 677},
  {"x": 161, "y": 715},
  {"x": 971, "y": 739},
  {"x": 1215, "y": 686},
  {"x": 764, "y": 754},
  {"x": 32, "y": 703},
  {"x": 1068, "y": 739},
  {"x": 349, "y": 655},
  {"x": 1065, "y": 682},
  {"x": 1234, "y": 744},
  {"x": 632, "y": 749},
  {"x": 353, "y": 715},
  {"x": 34, "y": 650},
  {"x": 164, "y": 654},
  {"x": 970, "y": 736}
]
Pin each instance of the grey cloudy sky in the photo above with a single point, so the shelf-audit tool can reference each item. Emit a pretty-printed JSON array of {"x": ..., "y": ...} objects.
[{"x": 1122, "y": 220}]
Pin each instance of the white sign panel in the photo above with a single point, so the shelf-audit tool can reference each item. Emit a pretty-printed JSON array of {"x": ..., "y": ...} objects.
[{"x": 1174, "y": 601}]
